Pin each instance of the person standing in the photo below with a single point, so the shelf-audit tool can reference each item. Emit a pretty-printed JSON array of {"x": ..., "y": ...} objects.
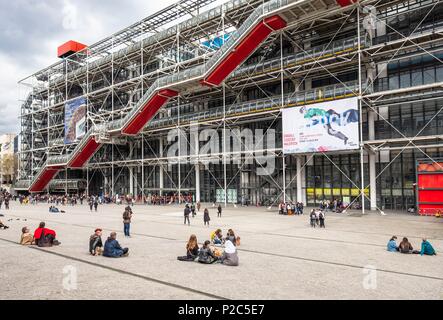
[
  {"x": 95, "y": 203},
  {"x": 187, "y": 212},
  {"x": 206, "y": 217},
  {"x": 91, "y": 203},
  {"x": 321, "y": 217},
  {"x": 198, "y": 206},
  {"x": 219, "y": 211},
  {"x": 127, "y": 216},
  {"x": 193, "y": 210}
]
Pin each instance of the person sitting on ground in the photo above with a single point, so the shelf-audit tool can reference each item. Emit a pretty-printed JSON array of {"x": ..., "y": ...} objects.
[
  {"x": 113, "y": 248},
  {"x": 405, "y": 246},
  {"x": 230, "y": 256},
  {"x": 3, "y": 226},
  {"x": 95, "y": 243},
  {"x": 27, "y": 238},
  {"x": 45, "y": 237},
  {"x": 231, "y": 236},
  {"x": 206, "y": 217},
  {"x": 205, "y": 254},
  {"x": 392, "y": 244},
  {"x": 191, "y": 249},
  {"x": 217, "y": 237},
  {"x": 427, "y": 249}
]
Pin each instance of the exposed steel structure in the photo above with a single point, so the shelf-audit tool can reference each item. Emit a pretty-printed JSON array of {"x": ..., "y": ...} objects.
[{"x": 237, "y": 66}]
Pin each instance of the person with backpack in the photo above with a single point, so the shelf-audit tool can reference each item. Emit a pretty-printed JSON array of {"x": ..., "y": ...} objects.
[
  {"x": 127, "y": 216},
  {"x": 321, "y": 218},
  {"x": 45, "y": 237},
  {"x": 95, "y": 243},
  {"x": 187, "y": 212}
]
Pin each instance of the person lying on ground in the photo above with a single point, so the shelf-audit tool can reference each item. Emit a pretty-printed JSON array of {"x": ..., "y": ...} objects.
[
  {"x": 45, "y": 237},
  {"x": 113, "y": 248},
  {"x": 191, "y": 249},
  {"x": 230, "y": 256},
  {"x": 95, "y": 243},
  {"x": 426, "y": 248},
  {"x": 3, "y": 226},
  {"x": 26, "y": 238},
  {"x": 205, "y": 254},
  {"x": 392, "y": 244},
  {"x": 405, "y": 246}
]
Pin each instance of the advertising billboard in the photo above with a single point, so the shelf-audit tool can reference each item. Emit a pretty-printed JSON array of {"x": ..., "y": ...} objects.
[
  {"x": 75, "y": 120},
  {"x": 321, "y": 127}
]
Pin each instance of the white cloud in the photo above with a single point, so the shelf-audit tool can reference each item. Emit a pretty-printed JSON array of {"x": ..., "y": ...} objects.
[{"x": 31, "y": 31}]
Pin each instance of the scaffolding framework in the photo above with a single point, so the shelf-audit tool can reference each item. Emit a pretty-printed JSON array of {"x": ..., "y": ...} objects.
[{"x": 320, "y": 40}]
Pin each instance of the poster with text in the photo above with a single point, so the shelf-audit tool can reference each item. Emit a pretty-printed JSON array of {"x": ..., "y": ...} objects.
[
  {"x": 75, "y": 120},
  {"x": 321, "y": 127}
]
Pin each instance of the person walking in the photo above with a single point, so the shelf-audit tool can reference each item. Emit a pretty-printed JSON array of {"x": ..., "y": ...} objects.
[
  {"x": 95, "y": 204},
  {"x": 91, "y": 203},
  {"x": 219, "y": 211},
  {"x": 321, "y": 217},
  {"x": 187, "y": 212},
  {"x": 206, "y": 217},
  {"x": 198, "y": 206},
  {"x": 127, "y": 216},
  {"x": 193, "y": 210}
]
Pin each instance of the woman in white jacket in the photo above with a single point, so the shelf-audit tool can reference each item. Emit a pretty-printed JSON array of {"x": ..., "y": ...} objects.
[{"x": 230, "y": 256}]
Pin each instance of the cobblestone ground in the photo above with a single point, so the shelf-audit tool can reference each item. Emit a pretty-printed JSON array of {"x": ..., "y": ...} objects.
[{"x": 281, "y": 257}]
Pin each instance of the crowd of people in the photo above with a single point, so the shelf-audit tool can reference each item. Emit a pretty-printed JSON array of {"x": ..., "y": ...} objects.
[
  {"x": 290, "y": 208},
  {"x": 217, "y": 250},
  {"x": 406, "y": 247}
]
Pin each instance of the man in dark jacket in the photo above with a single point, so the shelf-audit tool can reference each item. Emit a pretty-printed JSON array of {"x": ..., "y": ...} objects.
[
  {"x": 187, "y": 212},
  {"x": 95, "y": 242},
  {"x": 113, "y": 248}
]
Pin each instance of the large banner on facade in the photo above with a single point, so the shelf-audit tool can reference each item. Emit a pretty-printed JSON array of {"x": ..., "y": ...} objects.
[
  {"x": 75, "y": 120},
  {"x": 321, "y": 127}
]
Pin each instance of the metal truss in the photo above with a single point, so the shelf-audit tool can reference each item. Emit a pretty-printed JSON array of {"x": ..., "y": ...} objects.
[{"x": 115, "y": 73}]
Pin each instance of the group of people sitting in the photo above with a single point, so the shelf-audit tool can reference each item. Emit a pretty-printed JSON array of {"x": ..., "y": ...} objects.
[
  {"x": 42, "y": 237},
  {"x": 406, "y": 247},
  {"x": 112, "y": 247},
  {"x": 208, "y": 255},
  {"x": 317, "y": 218}
]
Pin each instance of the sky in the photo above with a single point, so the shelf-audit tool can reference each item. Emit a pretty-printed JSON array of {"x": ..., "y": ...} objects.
[{"x": 31, "y": 31}]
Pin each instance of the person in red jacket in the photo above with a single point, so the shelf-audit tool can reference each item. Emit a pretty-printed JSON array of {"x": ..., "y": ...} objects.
[{"x": 45, "y": 237}]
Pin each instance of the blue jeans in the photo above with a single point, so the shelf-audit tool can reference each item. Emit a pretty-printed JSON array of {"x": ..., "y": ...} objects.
[
  {"x": 217, "y": 241},
  {"x": 126, "y": 229}
]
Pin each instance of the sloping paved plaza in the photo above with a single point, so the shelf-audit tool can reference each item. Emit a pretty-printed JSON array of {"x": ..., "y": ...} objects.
[{"x": 281, "y": 257}]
